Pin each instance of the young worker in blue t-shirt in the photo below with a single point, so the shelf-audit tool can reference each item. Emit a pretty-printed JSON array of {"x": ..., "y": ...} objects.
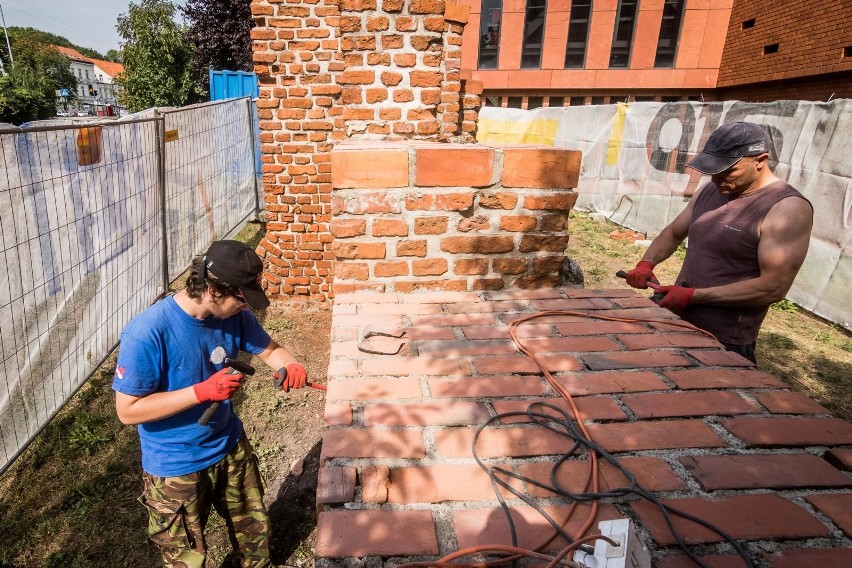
[{"x": 170, "y": 370}]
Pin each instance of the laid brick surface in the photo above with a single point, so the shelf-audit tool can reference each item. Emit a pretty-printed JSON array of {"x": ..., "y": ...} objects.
[
  {"x": 711, "y": 560},
  {"x": 655, "y": 435},
  {"x": 687, "y": 404},
  {"x": 773, "y": 432},
  {"x": 696, "y": 425},
  {"x": 373, "y": 533},
  {"x": 837, "y": 506},
  {"x": 747, "y": 517},
  {"x": 776, "y": 471}
]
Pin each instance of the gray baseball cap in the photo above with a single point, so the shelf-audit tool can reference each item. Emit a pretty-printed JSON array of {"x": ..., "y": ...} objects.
[{"x": 729, "y": 144}]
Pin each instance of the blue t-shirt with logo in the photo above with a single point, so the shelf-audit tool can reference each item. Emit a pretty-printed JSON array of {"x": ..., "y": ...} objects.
[{"x": 166, "y": 349}]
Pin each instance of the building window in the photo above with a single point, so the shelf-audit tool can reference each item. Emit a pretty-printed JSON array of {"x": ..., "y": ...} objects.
[
  {"x": 771, "y": 48},
  {"x": 535, "y": 102},
  {"x": 670, "y": 99},
  {"x": 749, "y": 24},
  {"x": 643, "y": 99},
  {"x": 578, "y": 34},
  {"x": 598, "y": 100},
  {"x": 489, "y": 33},
  {"x": 577, "y": 101},
  {"x": 514, "y": 102},
  {"x": 669, "y": 33},
  {"x": 492, "y": 101},
  {"x": 622, "y": 39},
  {"x": 533, "y": 34},
  {"x": 847, "y": 51},
  {"x": 555, "y": 101}
]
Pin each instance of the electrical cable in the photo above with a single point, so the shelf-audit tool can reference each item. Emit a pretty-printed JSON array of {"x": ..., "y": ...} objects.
[{"x": 563, "y": 424}]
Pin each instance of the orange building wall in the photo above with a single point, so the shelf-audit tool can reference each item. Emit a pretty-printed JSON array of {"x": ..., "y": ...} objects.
[
  {"x": 811, "y": 38},
  {"x": 696, "y": 67}
]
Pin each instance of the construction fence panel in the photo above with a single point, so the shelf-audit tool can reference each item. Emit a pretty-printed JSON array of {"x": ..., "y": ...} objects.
[
  {"x": 82, "y": 223},
  {"x": 634, "y": 169}
]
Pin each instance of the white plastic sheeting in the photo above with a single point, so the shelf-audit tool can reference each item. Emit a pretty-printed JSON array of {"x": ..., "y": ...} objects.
[
  {"x": 633, "y": 169},
  {"x": 82, "y": 226}
]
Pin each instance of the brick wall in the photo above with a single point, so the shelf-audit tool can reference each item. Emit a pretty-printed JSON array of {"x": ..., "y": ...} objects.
[
  {"x": 410, "y": 217},
  {"x": 332, "y": 70},
  {"x": 811, "y": 37},
  {"x": 822, "y": 88}
]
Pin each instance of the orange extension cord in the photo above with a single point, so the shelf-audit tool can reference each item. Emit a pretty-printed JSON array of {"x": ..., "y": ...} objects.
[{"x": 592, "y": 475}]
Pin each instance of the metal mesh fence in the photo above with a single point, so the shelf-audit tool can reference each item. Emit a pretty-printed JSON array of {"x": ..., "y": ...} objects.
[{"x": 95, "y": 220}]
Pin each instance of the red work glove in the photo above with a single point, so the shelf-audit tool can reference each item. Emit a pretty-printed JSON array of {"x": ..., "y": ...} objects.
[
  {"x": 220, "y": 386},
  {"x": 676, "y": 297},
  {"x": 293, "y": 376},
  {"x": 639, "y": 276}
]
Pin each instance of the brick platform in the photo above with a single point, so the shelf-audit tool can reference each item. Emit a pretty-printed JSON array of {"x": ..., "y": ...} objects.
[{"x": 702, "y": 428}]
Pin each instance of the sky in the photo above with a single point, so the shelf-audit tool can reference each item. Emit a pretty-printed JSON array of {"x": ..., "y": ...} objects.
[{"x": 87, "y": 23}]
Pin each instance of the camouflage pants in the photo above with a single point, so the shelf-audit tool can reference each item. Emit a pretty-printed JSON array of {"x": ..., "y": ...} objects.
[{"x": 178, "y": 508}]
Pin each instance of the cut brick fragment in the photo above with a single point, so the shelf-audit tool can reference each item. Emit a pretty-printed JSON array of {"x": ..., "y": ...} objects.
[
  {"x": 774, "y": 432},
  {"x": 837, "y": 507},
  {"x": 336, "y": 485}
]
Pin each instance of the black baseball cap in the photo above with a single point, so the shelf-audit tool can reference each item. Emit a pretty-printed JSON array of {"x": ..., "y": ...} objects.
[
  {"x": 729, "y": 144},
  {"x": 237, "y": 265}
]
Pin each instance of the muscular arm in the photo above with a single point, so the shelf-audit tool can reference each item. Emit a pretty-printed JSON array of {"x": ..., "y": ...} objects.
[
  {"x": 155, "y": 406},
  {"x": 669, "y": 238},
  {"x": 784, "y": 237}
]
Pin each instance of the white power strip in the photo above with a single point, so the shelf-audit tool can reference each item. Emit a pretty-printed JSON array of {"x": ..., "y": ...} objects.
[{"x": 631, "y": 552}]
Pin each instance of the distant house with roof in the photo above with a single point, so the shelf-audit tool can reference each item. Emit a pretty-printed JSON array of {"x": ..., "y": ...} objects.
[{"x": 96, "y": 88}]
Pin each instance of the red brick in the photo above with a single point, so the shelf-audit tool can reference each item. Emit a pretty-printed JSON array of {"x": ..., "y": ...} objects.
[
  {"x": 494, "y": 332},
  {"x": 599, "y": 327},
  {"x": 337, "y": 414},
  {"x": 775, "y": 471},
  {"x": 454, "y": 167},
  {"x": 429, "y": 267},
  {"x": 348, "y": 227},
  {"x": 336, "y": 485},
  {"x": 774, "y": 432},
  {"x": 374, "y": 168},
  {"x": 500, "y": 442},
  {"x": 454, "y": 319},
  {"x": 651, "y": 473},
  {"x": 344, "y": 534},
  {"x": 454, "y": 201},
  {"x": 487, "y": 387},
  {"x": 488, "y": 526},
  {"x": 430, "y": 225},
  {"x": 374, "y": 483},
  {"x": 664, "y": 340},
  {"x": 485, "y": 244},
  {"x": 390, "y": 228},
  {"x": 351, "y": 270},
  {"x": 720, "y": 358},
  {"x": 634, "y": 360},
  {"x": 568, "y": 344},
  {"x": 351, "y": 443},
  {"x": 611, "y": 382},
  {"x": 722, "y": 379},
  {"x": 358, "y": 250},
  {"x": 590, "y": 407},
  {"x": 840, "y": 458},
  {"x": 373, "y": 389},
  {"x": 543, "y": 168},
  {"x": 812, "y": 558},
  {"x": 519, "y": 223},
  {"x": 784, "y": 402},
  {"x": 745, "y": 517},
  {"x": 411, "y": 248},
  {"x": 687, "y": 404},
  {"x": 418, "y": 366},
  {"x": 633, "y": 436},
  {"x": 574, "y": 304},
  {"x": 711, "y": 560},
  {"x": 439, "y": 483},
  {"x": 499, "y": 200},
  {"x": 438, "y": 413},
  {"x": 522, "y": 364},
  {"x": 837, "y": 506}
]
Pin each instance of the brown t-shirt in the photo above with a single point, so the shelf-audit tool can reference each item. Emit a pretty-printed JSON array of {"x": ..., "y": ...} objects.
[{"x": 723, "y": 238}]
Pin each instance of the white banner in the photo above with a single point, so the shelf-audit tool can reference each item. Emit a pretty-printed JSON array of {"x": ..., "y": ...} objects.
[{"x": 633, "y": 169}]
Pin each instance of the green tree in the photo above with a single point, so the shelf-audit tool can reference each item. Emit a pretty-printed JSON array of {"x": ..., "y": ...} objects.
[
  {"x": 220, "y": 31},
  {"x": 158, "y": 58},
  {"x": 29, "y": 91},
  {"x": 114, "y": 55}
]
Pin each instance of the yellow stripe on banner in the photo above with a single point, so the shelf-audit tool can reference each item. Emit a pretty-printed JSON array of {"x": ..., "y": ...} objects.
[
  {"x": 495, "y": 131},
  {"x": 615, "y": 137}
]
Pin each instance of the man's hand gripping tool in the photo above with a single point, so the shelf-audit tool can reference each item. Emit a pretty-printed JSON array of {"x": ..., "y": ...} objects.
[{"x": 236, "y": 367}]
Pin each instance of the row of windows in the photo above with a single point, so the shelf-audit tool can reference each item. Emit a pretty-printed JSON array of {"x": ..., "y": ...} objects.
[
  {"x": 578, "y": 34},
  {"x": 532, "y": 102}
]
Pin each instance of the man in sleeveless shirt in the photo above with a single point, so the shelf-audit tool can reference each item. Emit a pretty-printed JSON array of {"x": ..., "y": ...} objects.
[{"x": 748, "y": 236}]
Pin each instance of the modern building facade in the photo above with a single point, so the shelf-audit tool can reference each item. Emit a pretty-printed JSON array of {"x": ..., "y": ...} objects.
[{"x": 533, "y": 53}]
